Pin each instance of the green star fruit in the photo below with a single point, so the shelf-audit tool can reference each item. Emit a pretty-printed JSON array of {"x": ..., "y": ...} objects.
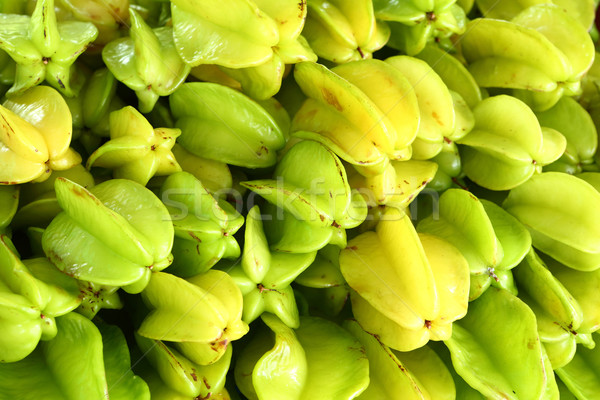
[
  {"x": 560, "y": 212},
  {"x": 324, "y": 271},
  {"x": 397, "y": 186},
  {"x": 147, "y": 62},
  {"x": 122, "y": 383},
  {"x": 286, "y": 233},
  {"x": 71, "y": 366},
  {"x": 515, "y": 242},
  {"x": 412, "y": 28},
  {"x": 94, "y": 103},
  {"x": 181, "y": 375},
  {"x": 95, "y": 297},
  {"x": 208, "y": 115},
  {"x": 264, "y": 276},
  {"x": 135, "y": 150},
  {"x": 581, "y": 285},
  {"x": 580, "y": 376},
  {"x": 464, "y": 222},
  {"x": 496, "y": 348},
  {"x": 203, "y": 314},
  {"x": 225, "y": 287},
  {"x": 582, "y": 10},
  {"x": 31, "y": 299},
  {"x": 405, "y": 316},
  {"x": 204, "y": 226},
  {"x": 323, "y": 285},
  {"x": 558, "y": 313},
  {"x": 500, "y": 154},
  {"x": 321, "y": 199},
  {"x": 43, "y": 48},
  {"x": 7, "y": 72},
  {"x": 105, "y": 237},
  {"x": 454, "y": 74},
  {"x": 569, "y": 118},
  {"x": 294, "y": 364}
]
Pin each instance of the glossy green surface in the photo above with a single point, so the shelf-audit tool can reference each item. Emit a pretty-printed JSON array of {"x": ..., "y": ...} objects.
[
  {"x": 487, "y": 354},
  {"x": 557, "y": 209},
  {"x": 241, "y": 131},
  {"x": 464, "y": 223}
]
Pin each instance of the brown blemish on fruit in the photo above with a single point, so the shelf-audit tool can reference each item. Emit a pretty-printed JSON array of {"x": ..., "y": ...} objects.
[
  {"x": 427, "y": 324},
  {"x": 437, "y": 118},
  {"x": 206, "y": 382},
  {"x": 457, "y": 182},
  {"x": 262, "y": 149},
  {"x": 193, "y": 235},
  {"x": 332, "y": 99},
  {"x": 301, "y": 7},
  {"x": 447, "y": 140},
  {"x": 6, "y": 126}
]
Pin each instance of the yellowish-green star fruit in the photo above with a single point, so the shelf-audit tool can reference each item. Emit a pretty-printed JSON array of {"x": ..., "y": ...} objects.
[
  {"x": 243, "y": 36},
  {"x": 394, "y": 375},
  {"x": 397, "y": 317},
  {"x": 341, "y": 32},
  {"x": 35, "y": 136},
  {"x": 264, "y": 81},
  {"x": 225, "y": 288}
]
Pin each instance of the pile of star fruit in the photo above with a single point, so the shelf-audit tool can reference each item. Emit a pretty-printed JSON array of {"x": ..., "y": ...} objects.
[{"x": 299, "y": 199}]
